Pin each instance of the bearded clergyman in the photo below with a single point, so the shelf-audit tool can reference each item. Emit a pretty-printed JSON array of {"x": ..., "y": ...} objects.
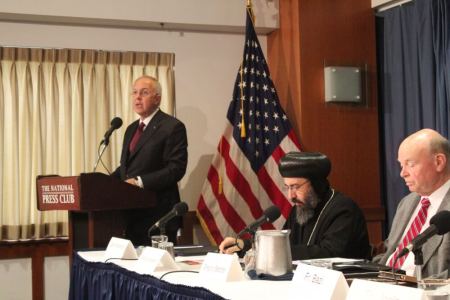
[{"x": 323, "y": 221}]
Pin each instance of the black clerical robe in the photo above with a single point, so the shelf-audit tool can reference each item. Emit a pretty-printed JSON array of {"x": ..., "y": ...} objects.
[{"x": 340, "y": 231}]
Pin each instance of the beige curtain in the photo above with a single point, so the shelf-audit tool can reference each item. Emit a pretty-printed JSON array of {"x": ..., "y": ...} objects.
[{"x": 55, "y": 106}]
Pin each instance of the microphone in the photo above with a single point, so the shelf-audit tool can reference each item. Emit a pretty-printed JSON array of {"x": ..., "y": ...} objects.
[
  {"x": 439, "y": 224},
  {"x": 115, "y": 124},
  {"x": 178, "y": 209},
  {"x": 269, "y": 215}
]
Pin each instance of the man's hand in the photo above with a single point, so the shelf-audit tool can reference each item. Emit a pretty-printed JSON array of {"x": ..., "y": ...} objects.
[
  {"x": 228, "y": 245},
  {"x": 132, "y": 181}
]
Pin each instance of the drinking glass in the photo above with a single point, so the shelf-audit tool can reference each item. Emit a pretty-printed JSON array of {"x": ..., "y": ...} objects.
[
  {"x": 168, "y": 246},
  {"x": 157, "y": 239}
]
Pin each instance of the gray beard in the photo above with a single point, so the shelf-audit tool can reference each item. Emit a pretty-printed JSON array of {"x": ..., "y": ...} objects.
[{"x": 306, "y": 212}]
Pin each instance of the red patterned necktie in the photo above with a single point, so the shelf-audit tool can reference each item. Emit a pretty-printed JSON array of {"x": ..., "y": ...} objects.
[
  {"x": 136, "y": 136},
  {"x": 413, "y": 231}
]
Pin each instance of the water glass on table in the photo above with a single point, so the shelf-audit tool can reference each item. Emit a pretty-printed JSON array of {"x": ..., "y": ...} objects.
[
  {"x": 168, "y": 246},
  {"x": 157, "y": 239},
  {"x": 435, "y": 289}
]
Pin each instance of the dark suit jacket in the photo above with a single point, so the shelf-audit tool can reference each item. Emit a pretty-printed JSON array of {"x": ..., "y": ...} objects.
[
  {"x": 436, "y": 251},
  {"x": 160, "y": 159}
]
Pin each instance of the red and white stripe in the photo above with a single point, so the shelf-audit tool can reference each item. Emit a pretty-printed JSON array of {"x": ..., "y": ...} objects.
[
  {"x": 245, "y": 194},
  {"x": 413, "y": 231}
]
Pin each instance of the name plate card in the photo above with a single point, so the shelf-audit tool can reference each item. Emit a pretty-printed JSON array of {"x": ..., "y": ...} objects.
[
  {"x": 310, "y": 282},
  {"x": 371, "y": 290},
  {"x": 221, "y": 268},
  {"x": 120, "y": 249},
  {"x": 154, "y": 259}
]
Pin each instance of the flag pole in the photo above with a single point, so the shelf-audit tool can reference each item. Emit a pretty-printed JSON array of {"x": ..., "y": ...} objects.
[{"x": 241, "y": 73}]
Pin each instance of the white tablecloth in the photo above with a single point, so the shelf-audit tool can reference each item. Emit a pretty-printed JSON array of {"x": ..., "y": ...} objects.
[{"x": 247, "y": 289}]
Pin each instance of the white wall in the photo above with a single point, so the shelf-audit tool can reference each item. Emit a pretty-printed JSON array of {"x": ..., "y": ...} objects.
[
  {"x": 56, "y": 277},
  {"x": 211, "y": 15},
  {"x": 15, "y": 279},
  {"x": 207, "y": 59}
]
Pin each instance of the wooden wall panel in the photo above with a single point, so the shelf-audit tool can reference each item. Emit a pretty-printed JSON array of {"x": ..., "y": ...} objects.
[{"x": 312, "y": 34}]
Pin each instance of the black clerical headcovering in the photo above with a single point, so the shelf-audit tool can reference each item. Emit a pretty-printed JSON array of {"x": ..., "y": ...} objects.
[
  {"x": 314, "y": 166},
  {"x": 311, "y": 165}
]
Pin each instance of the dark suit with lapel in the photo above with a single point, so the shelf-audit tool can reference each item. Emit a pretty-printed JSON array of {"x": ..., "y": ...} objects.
[
  {"x": 436, "y": 251},
  {"x": 160, "y": 159}
]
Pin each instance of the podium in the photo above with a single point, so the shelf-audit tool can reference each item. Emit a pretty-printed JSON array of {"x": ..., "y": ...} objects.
[{"x": 97, "y": 205}]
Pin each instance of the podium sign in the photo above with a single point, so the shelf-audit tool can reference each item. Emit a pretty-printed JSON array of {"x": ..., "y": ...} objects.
[
  {"x": 90, "y": 192},
  {"x": 98, "y": 205},
  {"x": 58, "y": 193}
]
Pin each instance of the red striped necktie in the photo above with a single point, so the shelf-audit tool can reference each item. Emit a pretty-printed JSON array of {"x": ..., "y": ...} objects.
[
  {"x": 136, "y": 136},
  {"x": 413, "y": 231}
]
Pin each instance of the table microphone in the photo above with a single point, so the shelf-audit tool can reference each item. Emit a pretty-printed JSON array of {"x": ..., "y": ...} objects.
[
  {"x": 439, "y": 224},
  {"x": 178, "y": 209},
  {"x": 269, "y": 215}
]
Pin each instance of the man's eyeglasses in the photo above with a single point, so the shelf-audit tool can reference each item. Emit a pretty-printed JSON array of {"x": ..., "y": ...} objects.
[
  {"x": 294, "y": 187},
  {"x": 142, "y": 93}
]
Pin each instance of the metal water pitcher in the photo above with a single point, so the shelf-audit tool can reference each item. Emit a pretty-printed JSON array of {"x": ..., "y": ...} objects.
[{"x": 273, "y": 252}]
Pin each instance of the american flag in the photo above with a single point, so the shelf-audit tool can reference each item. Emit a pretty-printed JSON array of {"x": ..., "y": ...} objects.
[{"x": 243, "y": 179}]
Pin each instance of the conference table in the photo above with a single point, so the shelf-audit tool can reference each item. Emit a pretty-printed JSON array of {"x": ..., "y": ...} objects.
[{"x": 92, "y": 278}]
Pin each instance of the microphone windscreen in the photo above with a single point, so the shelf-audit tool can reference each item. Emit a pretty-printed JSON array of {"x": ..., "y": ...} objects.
[
  {"x": 272, "y": 213},
  {"x": 442, "y": 222},
  {"x": 116, "y": 122},
  {"x": 180, "y": 208}
]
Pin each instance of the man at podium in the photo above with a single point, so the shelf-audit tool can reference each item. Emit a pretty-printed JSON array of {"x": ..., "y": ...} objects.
[{"x": 154, "y": 157}]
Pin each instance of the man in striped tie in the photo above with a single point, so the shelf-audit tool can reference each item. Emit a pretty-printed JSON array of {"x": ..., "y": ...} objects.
[{"x": 424, "y": 158}]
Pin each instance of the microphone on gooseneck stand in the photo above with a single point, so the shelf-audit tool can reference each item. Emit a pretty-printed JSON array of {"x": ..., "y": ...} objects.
[
  {"x": 269, "y": 216},
  {"x": 178, "y": 209},
  {"x": 439, "y": 225},
  {"x": 115, "y": 124}
]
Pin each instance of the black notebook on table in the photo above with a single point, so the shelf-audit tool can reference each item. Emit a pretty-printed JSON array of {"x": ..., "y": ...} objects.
[{"x": 361, "y": 269}]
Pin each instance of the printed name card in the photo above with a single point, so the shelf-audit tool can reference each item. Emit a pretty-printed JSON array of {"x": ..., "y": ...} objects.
[
  {"x": 311, "y": 282},
  {"x": 120, "y": 249},
  {"x": 221, "y": 267},
  {"x": 371, "y": 290},
  {"x": 154, "y": 259}
]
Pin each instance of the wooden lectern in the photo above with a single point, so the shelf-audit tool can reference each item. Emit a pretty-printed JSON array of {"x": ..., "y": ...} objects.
[{"x": 97, "y": 205}]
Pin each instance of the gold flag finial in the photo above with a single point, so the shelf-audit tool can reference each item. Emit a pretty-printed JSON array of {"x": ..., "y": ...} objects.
[{"x": 250, "y": 10}]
